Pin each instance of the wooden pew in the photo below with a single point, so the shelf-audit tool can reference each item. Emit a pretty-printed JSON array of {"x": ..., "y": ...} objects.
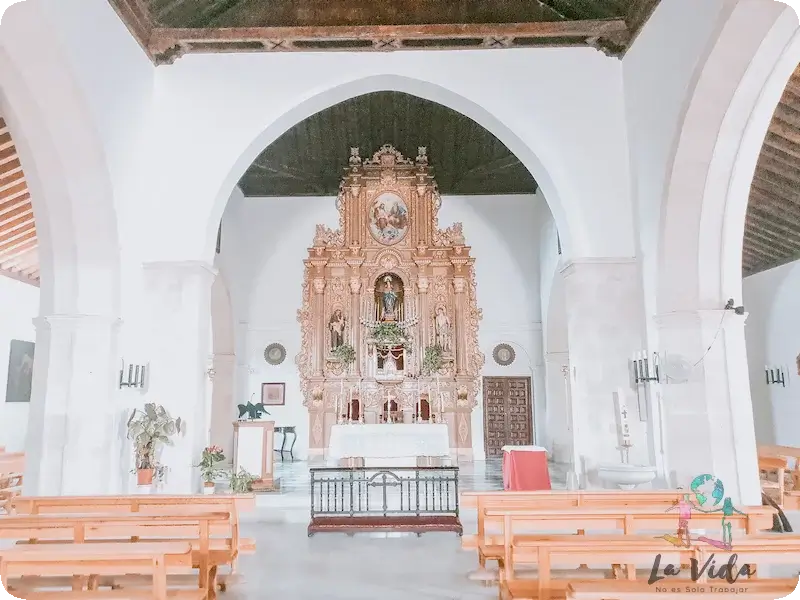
[
  {"x": 12, "y": 466},
  {"x": 84, "y": 561},
  {"x": 759, "y": 589},
  {"x": 555, "y": 500},
  {"x": 790, "y": 453},
  {"x": 199, "y": 531},
  {"x": 155, "y": 505},
  {"x": 777, "y": 465},
  {"x": 629, "y": 521},
  {"x": 565, "y": 552}
]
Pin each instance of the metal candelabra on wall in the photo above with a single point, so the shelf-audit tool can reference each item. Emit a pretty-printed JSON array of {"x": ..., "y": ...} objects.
[
  {"x": 645, "y": 373},
  {"x": 775, "y": 376},
  {"x": 135, "y": 377}
]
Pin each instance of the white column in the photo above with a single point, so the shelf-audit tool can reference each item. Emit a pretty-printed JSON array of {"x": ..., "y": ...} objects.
[
  {"x": 73, "y": 443},
  {"x": 708, "y": 413},
  {"x": 223, "y": 408},
  {"x": 179, "y": 308},
  {"x": 558, "y": 418},
  {"x": 605, "y": 325}
]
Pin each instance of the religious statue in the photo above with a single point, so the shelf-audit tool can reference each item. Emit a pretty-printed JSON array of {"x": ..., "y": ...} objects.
[
  {"x": 442, "y": 326},
  {"x": 389, "y": 298},
  {"x": 336, "y": 327}
]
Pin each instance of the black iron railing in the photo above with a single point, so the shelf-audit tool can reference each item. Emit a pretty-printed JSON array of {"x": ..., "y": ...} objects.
[{"x": 378, "y": 492}]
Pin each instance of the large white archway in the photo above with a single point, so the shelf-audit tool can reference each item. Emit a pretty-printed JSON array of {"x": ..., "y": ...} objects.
[
  {"x": 707, "y": 406},
  {"x": 72, "y": 428},
  {"x": 570, "y": 224}
]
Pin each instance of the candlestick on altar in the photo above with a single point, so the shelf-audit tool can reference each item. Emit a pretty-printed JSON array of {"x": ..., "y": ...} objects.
[
  {"x": 419, "y": 405},
  {"x": 350, "y": 407},
  {"x": 336, "y": 408},
  {"x": 441, "y": 405}
]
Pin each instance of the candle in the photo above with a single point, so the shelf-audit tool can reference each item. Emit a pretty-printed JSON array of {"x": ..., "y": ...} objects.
[
  {"x": 441, "y": 405},
  {"x": 350, "y": 406},
  {"x": 419, "y": 405}
]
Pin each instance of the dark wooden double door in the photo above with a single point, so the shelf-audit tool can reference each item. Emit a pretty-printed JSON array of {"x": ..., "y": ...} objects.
[{"x": 507, "y": 413}]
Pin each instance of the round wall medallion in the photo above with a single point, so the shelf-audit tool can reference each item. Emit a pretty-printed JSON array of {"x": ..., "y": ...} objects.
[
  {"x": 503, "y": 355},
  {"x": 275, "y": 354}
]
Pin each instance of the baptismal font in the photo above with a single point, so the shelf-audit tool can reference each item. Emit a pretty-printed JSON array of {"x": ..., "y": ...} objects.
[{"x": 389, "y": 318}]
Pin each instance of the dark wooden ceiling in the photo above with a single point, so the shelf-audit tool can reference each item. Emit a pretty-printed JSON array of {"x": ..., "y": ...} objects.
[
  {"x": 167, "y": 29},
  {"x": 772, "y": 229},
  {"x": 309, "y": 159}
]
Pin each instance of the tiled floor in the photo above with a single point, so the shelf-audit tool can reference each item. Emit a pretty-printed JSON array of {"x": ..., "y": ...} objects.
[{"x": 331, "y": 566}]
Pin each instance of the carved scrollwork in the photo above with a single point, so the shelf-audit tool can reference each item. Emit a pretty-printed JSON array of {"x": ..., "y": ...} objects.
[
  {"x": 452, "y": 236},
  {"x": 328, "y": 237}
]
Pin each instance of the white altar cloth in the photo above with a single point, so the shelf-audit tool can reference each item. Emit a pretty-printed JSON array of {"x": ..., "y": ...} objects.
[{"x": 387, "y": 443}]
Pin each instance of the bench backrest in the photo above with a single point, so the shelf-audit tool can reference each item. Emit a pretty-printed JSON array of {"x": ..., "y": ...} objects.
[
  {"x": 766, "y": 589},
  {"x": 157, "y": 504}
]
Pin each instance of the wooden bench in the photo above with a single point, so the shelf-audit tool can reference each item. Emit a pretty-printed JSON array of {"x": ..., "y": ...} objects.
[
  {"x": 12, "y": 466},
  {"x": 792, "y": 455},
  {"x": 627, "y": 520},
  {"x": 555, "y": 500},
  {"x": 207, "y": 552},
  {"x": 766, "y": 589},
  {"x": 777, "y": 466},
  {"x": 155, "y": 505},
  {"x": 565, "y": 552},
  {"x": 85, "y": 562}
]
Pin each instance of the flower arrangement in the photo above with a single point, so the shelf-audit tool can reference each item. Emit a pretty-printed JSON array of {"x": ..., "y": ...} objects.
[
  {"x": 432, "y": 361},
  {"x": 345, "y": 353},
  {"x": 209, "y": 464},
  {"x": 391, "y": 334}
]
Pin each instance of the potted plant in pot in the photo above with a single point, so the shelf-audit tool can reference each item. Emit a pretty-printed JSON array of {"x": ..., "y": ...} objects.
[
  {"x": 150, "y": 428},
  {"x": 209, "y": 467},
  {"x": 241, "y": 482}
]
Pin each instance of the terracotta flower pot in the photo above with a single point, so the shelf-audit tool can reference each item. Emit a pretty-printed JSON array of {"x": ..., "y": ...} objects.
[{"x": 145, "y": 476}]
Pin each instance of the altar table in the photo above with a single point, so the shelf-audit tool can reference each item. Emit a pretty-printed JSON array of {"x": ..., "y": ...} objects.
[
  {"x": 388, "y": 444},
  {"x": 525, "y": 468}
]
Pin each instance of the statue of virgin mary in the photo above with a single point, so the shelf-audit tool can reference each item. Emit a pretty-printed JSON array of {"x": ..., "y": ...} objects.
[{"x": 389, "y": 298}]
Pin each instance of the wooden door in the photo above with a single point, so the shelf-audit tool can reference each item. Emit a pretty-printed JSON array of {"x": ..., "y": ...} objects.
[{"x": 507, "y": 413}]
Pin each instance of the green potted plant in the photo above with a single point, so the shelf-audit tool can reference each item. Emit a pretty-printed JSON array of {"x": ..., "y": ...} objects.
[
  {"x": 209, "y": 467},
  {"x": 345, "y": 353},
  {"x": 149, "y": 429},
  {"x": 432, "y": 361},
  {"x": 241, "y": 482}
]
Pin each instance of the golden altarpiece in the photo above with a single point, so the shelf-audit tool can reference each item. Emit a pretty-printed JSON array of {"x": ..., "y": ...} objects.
[{"x": 380, "y": 294}]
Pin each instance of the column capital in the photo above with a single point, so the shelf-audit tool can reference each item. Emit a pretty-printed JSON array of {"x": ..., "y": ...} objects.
[
  {"x": 556, "y": 358},
  {"x": 76, "y": 322},
  {"x": 460, "y": 285},
  {"x": 181, "y": 268},
  {"x": 319, "y": 285},
  {"x": 223, "y": 357},
  {"x": 572, "y": 265}
]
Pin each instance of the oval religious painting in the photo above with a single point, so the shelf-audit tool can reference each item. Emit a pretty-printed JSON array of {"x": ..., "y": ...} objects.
[{"x": 388, "y": 218}]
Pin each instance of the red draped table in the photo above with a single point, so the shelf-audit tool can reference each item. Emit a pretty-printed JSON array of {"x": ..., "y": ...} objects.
[{"x": 525, "y": 468}]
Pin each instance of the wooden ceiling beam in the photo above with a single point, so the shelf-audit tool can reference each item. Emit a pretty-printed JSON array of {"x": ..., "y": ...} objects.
[
  {"x": 788, "y": 172},
  {"x": 17, "y": 241},
  {"x": 8, "y": 257},
  {"x": 169, "y": 43},
  {"x": 763, "y": 194},
  {"x": 22, "y": 209},
  {"x": 769, "y": 242},
  {"x": 14, "y": 233},
  {"x": 19, "y": 277},
  {"x": 777, "y": 190},
  {"x": 11, "y": 205},
  {"x": 29, "y": 260},
  {"x": 765, "y": 256},
  {"x": 774, "y": 225},
  {"x": 136, "y": 15}
]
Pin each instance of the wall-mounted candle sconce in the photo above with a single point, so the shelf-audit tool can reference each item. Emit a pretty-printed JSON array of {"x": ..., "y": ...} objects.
[
  {"x": 775, "y": 375},
  {"x": 133, "y": 377},
  {"x": 645, "y": 370}
]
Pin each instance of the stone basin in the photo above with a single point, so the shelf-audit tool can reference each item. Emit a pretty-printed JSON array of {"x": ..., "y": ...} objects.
[{"x": 626, "y": 477}]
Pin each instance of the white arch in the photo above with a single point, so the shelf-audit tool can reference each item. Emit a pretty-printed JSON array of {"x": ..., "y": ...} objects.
[
  {"x": 725, "y": 121},
  {"x": 571, "y": 226}
]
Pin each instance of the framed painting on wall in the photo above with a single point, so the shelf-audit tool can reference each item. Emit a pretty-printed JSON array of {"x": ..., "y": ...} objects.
[
  {"x": 273, "y": 394},
  {"x": 20, "y": 371}
]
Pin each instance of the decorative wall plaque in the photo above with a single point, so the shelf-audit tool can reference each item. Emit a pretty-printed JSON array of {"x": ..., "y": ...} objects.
[
  {"x": 275, "y": 354},
  {"x": 503, "y": 355}
]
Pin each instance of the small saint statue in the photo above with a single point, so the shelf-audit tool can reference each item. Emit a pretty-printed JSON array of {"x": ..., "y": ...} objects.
[
  {"x": 389, "y": 298},
  {"x": 336, "y": 326},
  {"x": 442, "y": 327}
]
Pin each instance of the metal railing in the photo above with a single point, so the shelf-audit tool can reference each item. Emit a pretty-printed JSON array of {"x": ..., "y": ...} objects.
[{"x": 381, "y": 492}]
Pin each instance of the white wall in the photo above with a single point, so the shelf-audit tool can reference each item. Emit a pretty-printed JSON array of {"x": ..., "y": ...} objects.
[
  {"x": 20, "y": 304},
  {"x": 773, "y": 338},
  {"x": 266, "y": 239}
]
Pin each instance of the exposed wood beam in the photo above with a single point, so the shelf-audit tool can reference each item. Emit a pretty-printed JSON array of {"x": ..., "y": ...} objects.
[
  {"x": 7, "y": 258},
  {"x": 17, "y": 241},
  {"x": 172, "y": 42},
  {"x": 769, "y": 243},
  {"x": 10, "y": 205},
  {"x": 14, "y": 233},
  {"x": 20, "y": 277},
  {"x": 22, "y": 209},
  {"x": 767, "y": 200},
  {"x": 768, "y": 223}
]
